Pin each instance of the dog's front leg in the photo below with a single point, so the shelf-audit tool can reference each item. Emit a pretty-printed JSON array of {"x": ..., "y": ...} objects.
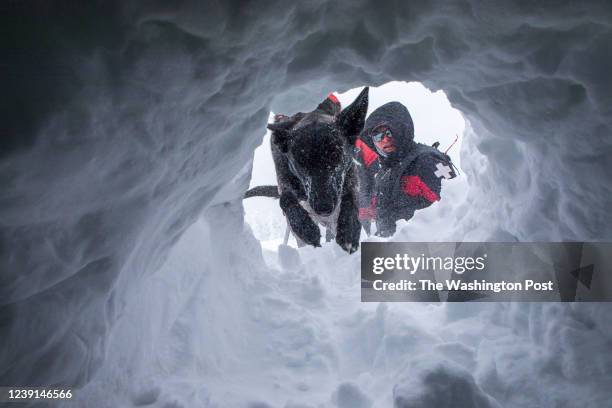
[
  {"x": 349, "y": 227},
  {"x": 299, "y": 220}
]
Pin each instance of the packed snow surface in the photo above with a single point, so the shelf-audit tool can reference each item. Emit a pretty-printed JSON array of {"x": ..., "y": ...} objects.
[{"x": 126, "y": 267}]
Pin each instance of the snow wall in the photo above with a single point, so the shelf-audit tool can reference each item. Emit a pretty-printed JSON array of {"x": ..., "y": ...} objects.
[{"x": 129, "y": 135}]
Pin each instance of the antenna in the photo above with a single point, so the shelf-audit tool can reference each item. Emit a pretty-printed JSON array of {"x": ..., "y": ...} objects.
[{"x": 452, "y": 144}]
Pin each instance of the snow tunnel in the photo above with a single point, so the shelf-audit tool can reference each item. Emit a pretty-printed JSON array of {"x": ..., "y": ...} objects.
[{"x": 128, "y": 272}]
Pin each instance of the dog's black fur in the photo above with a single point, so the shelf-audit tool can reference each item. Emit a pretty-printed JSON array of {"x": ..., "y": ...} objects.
[{"x": 313, "y": 157}]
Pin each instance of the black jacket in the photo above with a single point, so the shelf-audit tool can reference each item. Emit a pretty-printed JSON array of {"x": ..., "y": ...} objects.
[{"x": 394, "y": 187}]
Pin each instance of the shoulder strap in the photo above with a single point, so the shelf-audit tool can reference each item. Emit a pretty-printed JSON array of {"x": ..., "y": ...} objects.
[
  {"x": 423, "y": 149},
  {"x": 418, "y": 150}
]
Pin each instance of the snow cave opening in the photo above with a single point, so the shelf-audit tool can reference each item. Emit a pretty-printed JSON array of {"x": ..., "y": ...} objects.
[{"x": 435, "y": 120}]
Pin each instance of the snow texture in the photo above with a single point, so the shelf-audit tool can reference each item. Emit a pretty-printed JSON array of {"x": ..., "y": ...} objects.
[{"x": 125, "y": 265}]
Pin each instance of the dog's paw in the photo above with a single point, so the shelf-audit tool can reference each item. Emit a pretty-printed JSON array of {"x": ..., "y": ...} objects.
[
  {"x": 349, "y": 247},
  {"x": 309, "y": 232},
  {"x": 348, "y": 230},
  {"x": 305, "y": 228},
  {"x": 347, "y": 235},
  {"x": 302, "y": 226}
]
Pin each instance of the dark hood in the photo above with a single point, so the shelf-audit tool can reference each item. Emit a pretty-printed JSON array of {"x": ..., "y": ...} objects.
[{"x": 398, "y": 119}]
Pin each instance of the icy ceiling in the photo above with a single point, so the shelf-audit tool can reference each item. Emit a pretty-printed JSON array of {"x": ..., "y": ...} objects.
[{"x": 123, "y": 123}]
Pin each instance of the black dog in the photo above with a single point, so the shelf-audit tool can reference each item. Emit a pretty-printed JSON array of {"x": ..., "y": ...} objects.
[{"x": 313, "y": 157}]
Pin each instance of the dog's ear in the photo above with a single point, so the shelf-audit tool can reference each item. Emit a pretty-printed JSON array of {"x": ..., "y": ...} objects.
[
  {"x": 280, "y": 134},
  {"x": 331, "y": 105},
  {"x": 283, "y": 126},
  {"x": 352, "y": 119}
]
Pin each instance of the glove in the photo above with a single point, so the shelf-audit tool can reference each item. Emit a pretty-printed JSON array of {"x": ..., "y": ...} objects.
[
  {"x": 385, "y": 228},
  {"x": 367, "y": 225}
]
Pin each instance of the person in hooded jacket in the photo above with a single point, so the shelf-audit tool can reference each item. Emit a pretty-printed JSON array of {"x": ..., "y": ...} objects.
[{"x": 397, "y": 175}]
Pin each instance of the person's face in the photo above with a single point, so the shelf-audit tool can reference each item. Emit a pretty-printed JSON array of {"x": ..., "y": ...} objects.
[{"x": 383, "y": 139}]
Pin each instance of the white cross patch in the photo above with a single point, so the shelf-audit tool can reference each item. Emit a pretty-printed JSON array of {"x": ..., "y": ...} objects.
[{"x": 443, "y": 171}]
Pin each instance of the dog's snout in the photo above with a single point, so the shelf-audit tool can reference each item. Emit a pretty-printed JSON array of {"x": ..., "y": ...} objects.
[
  {"x": 323, "y": 207},
  {"x": 324, "y": 211},
  {"x": 323, "y": 195}
]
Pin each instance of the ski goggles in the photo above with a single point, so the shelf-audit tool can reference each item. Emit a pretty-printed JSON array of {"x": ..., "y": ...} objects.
[{"x": 380, "y": 133}]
